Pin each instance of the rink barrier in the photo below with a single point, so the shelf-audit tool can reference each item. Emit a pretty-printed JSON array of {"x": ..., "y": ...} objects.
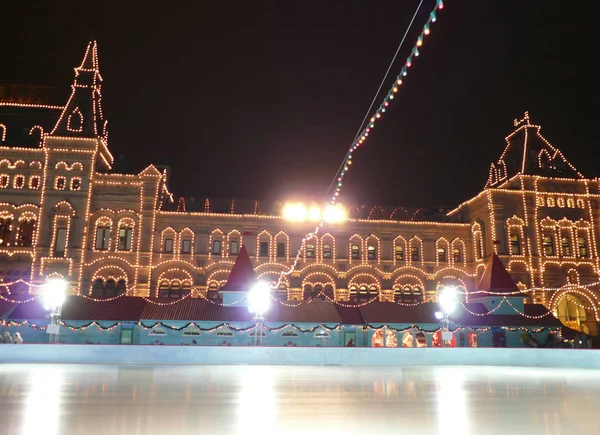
[{"x": 311, "y": 356}]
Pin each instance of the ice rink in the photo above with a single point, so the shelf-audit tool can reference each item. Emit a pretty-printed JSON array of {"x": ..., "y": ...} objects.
[{"x": 171, "y": 400}]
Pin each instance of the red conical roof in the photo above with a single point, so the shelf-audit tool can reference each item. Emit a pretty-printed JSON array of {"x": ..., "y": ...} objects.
[
  {"x": 242, "y": 276},
  {"x": 496, "y": 278}
]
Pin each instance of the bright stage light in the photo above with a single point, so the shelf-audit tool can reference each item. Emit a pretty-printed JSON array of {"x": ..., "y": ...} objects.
[
  {"x": 259, "y": 298},
  {"x": 54, "y": 293},
  {"x": 295, "y": 212},
  {"x": 439, "y": 315},
  {"x": 314, "y": 214},
  {"x": 334, "y": 214},
  {"x": 448, "y": 300}
]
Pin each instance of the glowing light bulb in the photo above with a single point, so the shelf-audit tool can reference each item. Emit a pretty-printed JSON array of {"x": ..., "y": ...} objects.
[
  {"x": 440, "y": 4},
  {"x": 432, "y": 16},
  {"x": 426, "y": 30},
  {"x": 395, "y": 89},
  {"x": 399, "y": 82},
  {"x": 416, "y": 51},
  {"x": 378, "y": 115},
  {"x": 386, "y": 104},
  {"x": 419, "y": 41}
]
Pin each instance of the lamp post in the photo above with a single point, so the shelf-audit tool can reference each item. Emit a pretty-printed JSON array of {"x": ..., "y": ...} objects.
[
  {"x": 259, "y": 300},
  {"x": 447, "y": 300},
  {"x": 53, "y": 295}
]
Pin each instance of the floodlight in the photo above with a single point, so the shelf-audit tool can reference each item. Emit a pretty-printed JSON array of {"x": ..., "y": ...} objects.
[
  {"x": 259, "y": 298},
  {"x": 439, "y": 315},
  {"x": 295, "y": 212},
  {"x": 447, "y": 299},
  {"x": 314, "y": 213},
  {"x": 334, "y": 213},
  {"x": 53, "y": 293}
]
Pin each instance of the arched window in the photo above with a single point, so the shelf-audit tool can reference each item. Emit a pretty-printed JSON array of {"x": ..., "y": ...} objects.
[
  {"x": 75, "y": 121},
  {"x": 457, "y": 253},
  {"x": 234, "y": 247},
  {"x": 372, "y": 252},
  {"x": 353, "y": 293},
  {"x": 282, "y": 292},
  {"x": 441, "y": 255},
  {"x": 121, "y": 287},
  {"x": 102, "y": 234},
  {"x": 548, "y": 245},
  {"x": 407, "y": 296},
  {"x": 281, "y": 250},
  {"x": 329, "y": 292},
  {"x": 34, "y": 182},
  {"x": 565, "y": 245},
  {"x": 307, "y": 292},
  {"x": 5, "y": 230},
  {"x": 216, "y": 247},
  {"x": 355, "y": 251},
  {"x": 98, "y": 288},
  {"x": 110, "y": 290},
  {"x": 163, "y": 289},
  {"x": 399, "y": 252},
  {"x": 363, "y": 293},
  {"x": 515, "y": 242},
  {"x": 4, "y": 181},
  {"x": 263, "y": 249},
  {"x": 125, "y": 236},
  {"x": 186, "y": 246},
  {"x": 327, "y": 252},
  {"x": 414, "y": 253},
  {"x": 310, "y": 250},
  {"x": 26, "y": 233},
  {"x": 582, "y": 248},
  {"x": 317, "y": 290}
]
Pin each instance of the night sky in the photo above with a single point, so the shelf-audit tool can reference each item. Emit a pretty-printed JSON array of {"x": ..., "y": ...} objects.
[{"x": 261, "y": 99}]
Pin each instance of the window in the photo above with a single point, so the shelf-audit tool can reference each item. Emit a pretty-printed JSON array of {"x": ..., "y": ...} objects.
[
  {"x": 582, "y": 247},
  {"x": 60, "y": 244},
  {"x": 327, "y": 251},
  {"x": 102, "y": 237},
  {"x": 355, "y": 251},
  {"x": 479, "y": 244},
  {"x": 321, "y": 333},
  {"x": 441, "y": 254},
  {"x": 4, "y": 181},
  {"x": 515, "y": 244},
  {"x": 234, "y": 247},
  {"x": 548, "y": 245},
  {"x": 565, "y": 246},
  {"x": 5, "y": 227},
  {"x": 414, "y": 253},
  {"x": 281, "y": 249},
  {"x": 60, "y": 183},
  {"x": 216, "y": 247},
  {"x": 310, "y": 250},
  {"x": 125, "y": 238},
  {"x": 76, "y": 183},
  {"x": 457, "y": 255},
  {"x": 168, "y": 248},
  {"x": 186, "y": 246},
  {"x": 371, "y": 252},
  {"x": 263, "y": 249},
  {"x": 26, "y": 232},
  {"x": 399, "y": 253},
  {"x": 19, "y": 182},
  {"x": 34, "y": 182}
]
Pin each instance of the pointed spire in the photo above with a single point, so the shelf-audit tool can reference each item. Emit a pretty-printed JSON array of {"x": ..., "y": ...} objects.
[
  {"x": 242, "y": 276},
  {"x": 82, "y": 115},
  {"x": 496, "y": 279}
]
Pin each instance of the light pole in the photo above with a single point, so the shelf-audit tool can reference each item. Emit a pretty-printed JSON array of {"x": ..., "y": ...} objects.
[
  {"x": 259, "y": 300},
  {"x": 53, "y": 295},
  {"x": 447, "y": 300}
]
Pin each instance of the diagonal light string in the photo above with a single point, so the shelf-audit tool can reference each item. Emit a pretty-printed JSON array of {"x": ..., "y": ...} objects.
[
  {"x": 385, "y": 76},
  {"x": 362, "y": 135}
]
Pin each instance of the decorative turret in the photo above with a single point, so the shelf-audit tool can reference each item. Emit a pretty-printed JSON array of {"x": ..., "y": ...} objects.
[
  {"x": 241, "y": 279},
  {"x": 528, "y": 153},
  {"x": 495, "y": 285}
]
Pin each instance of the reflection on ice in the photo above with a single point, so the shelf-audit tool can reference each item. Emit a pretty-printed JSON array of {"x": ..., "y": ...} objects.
[{"x": 281, "y": 400}]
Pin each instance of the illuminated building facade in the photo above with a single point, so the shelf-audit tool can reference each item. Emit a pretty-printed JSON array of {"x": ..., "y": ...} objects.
[{"x": 64, "y": 212}]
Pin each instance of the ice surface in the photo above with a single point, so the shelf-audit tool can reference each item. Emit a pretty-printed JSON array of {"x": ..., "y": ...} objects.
[{"x": 279, "y": 400}]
